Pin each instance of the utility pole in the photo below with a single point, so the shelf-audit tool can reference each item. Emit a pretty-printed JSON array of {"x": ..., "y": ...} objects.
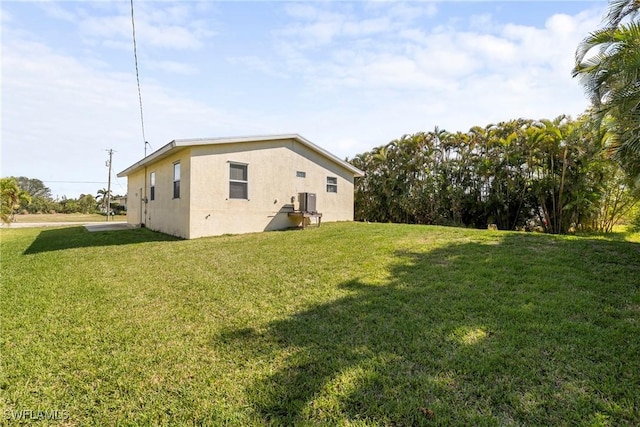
[{"x": 110, "y": 151}]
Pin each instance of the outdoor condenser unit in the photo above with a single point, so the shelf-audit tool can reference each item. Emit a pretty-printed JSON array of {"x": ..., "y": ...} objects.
[{"x": 307, "y": 202}]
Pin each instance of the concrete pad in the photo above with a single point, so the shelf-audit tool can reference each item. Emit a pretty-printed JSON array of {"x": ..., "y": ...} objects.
[{"x": 108, "y": 226}]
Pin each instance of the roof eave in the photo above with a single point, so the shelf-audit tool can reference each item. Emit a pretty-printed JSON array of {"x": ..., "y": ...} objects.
[
  {"x": 356, "y": 172},
  {"x": 159, "y": 153},
  {"x": 164, "y": 151}
]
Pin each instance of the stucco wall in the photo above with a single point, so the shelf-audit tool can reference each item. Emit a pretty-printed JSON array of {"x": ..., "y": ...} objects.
[
  {"x": 272, "y": 187},
  {"x": 135, "y": 195},
  {"x": 165, "y": 213}
]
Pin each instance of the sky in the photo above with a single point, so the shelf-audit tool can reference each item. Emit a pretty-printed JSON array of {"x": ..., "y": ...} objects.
[{"x": 348, "y": 76}]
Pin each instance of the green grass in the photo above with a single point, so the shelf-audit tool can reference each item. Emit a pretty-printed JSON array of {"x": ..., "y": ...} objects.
[
  {"x": 60, "y": 217},
  {"x": 347, "y": 324}
]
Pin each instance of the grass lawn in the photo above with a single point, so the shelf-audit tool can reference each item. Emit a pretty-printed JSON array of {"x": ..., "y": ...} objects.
[
  {"x": 60, "y": 217},
  {"x": 348, "y": 324}
]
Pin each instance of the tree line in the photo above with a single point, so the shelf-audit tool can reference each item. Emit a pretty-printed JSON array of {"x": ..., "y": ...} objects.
[
  {"x": 550, "y": 175},
  {"x": 553, "y": 175},
  {"x": 21, "y": 195}
]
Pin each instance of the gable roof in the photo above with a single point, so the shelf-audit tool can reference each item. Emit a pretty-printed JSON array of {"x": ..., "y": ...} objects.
[{"x": 178, "y": 144}]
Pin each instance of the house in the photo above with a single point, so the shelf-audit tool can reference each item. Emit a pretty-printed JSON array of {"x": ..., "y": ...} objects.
[
  {"x": 119, "y": 203},
  {"x": 205, "y": 187}
]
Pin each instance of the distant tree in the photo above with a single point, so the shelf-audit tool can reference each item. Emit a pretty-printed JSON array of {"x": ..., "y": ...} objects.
[
  {"x": 40, "y": 195},
  {"x": 38, "y": 204},
  {"x": 102, "y": 196},
  {"x": 33, "y": 186},
  {"x": 69, "y": 205},
  {"x": 87, "y": 203},
  {"x": 11, "y": 196}
]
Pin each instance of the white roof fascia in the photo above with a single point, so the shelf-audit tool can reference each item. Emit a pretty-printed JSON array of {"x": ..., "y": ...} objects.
[
  {"x": 156, "y": 155},
  {"x": 176, "y": 143}
]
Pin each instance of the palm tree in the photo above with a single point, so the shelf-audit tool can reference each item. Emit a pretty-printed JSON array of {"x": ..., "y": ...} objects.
[
  {"x": 102, "y": 196},
  {"x": 608, "y": 65},
  {"x": 10, "y": 198}
]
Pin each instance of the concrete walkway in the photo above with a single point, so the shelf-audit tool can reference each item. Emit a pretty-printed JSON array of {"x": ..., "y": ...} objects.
[{"x": 108, "y": 226}]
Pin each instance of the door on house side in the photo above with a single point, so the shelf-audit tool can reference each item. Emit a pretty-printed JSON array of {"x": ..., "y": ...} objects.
[{"x": 141, "y": 206}]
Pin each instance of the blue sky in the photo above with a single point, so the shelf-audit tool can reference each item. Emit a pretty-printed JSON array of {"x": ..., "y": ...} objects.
[{"x": 348, "y": 76}]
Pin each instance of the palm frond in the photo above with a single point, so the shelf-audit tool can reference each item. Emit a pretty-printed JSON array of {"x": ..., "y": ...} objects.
[
  {"x": 619, "y": 10},
  {"x": 608, "y": 67}
]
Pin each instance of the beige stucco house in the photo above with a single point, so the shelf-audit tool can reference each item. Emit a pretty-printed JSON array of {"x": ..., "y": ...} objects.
[{"x": 205, "y": 187}]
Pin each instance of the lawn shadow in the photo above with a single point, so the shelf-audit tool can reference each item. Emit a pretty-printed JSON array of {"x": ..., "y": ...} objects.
[
  {"x": 56, "y": 239},
  {"x": 468, "y": 334}
]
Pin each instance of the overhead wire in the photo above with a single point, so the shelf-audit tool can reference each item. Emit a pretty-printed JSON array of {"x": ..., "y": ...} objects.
[{"x": 135, "y": 57}]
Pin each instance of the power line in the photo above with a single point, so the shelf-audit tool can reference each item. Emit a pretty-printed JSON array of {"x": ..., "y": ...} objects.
[
  {"x": 135, "y": 57},
  {"x": 120, "y": 184}
]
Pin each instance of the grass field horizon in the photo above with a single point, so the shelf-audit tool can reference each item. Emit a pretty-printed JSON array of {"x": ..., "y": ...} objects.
[
  {"x": 62, "y": 218},
  {"x": 348, "y": 324}
]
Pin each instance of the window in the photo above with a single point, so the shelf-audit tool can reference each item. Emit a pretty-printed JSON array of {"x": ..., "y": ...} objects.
[
  {"x": 152, "y": 186},
  {"x": 176, "y": 180},
  {"x": 238, "y": 185},
  {"x": 301, "y": 174},
  {"x": 332, "y": 184}
]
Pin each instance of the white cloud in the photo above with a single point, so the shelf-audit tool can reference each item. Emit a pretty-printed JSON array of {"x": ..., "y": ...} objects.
[
  {"x": 490, "y": 48},
  {"x": 172, "y": 67},
  {"x": 106, "y": 28},
  {"x": 60, "y": 114},
  {"x": 160, "y": 25},
  {"x": 412, "y": 77},
  {"x": 348, "y": 76},
  {"x": 304, "y": 11},
  {"x": 404, "y": 11},
  {"x": 258, "y": 63},
  {"x": 419, "y": 59},
  {"x": 56, "y": 11},
  {"x": 113, "y": 29},
  {"x": 173, "y": 36},
  {"x": 366, "y": 27},
  {"x": 319, "y": 25},
  {"x": 483, "y": 23}
]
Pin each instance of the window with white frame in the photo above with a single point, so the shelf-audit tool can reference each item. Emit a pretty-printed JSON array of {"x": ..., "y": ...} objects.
[
  {"x": 238, "y": 181},
  {"x": 176, "y": 180},
  {"x": 332, "y": 184},
  {"x": 152, "y": 186}
]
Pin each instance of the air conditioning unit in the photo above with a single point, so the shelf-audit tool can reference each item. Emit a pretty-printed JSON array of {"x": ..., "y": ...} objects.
[{"x": 307, "y": 202}]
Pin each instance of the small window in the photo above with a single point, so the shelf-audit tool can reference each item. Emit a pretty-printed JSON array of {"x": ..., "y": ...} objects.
[
  {"x": 301, "y": 174},
  {"x": 238, "y": 183},
  {"x": 176, "y": 180},
  {"x": 152, "y": 186},
  {"x": 332, "y": 184}
]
